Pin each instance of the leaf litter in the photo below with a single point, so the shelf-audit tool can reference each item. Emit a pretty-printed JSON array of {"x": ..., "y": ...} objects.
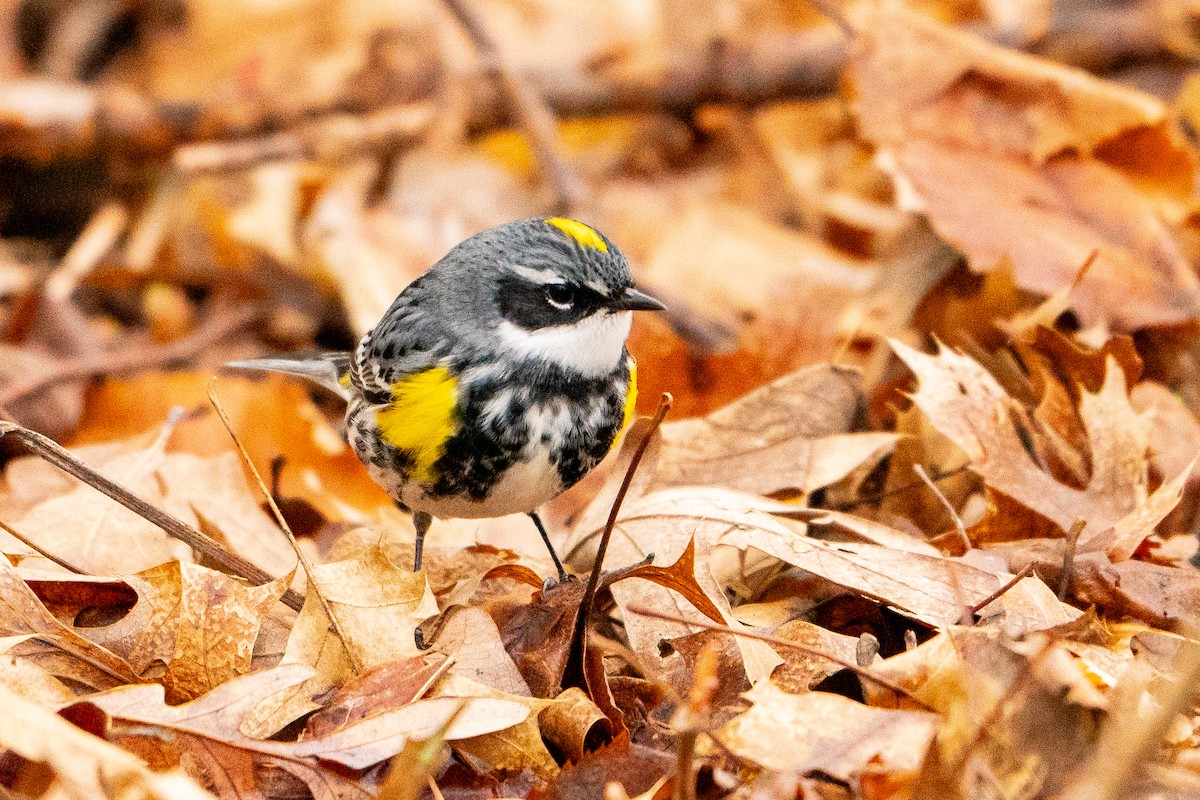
[{"x": 921, "y": 522}]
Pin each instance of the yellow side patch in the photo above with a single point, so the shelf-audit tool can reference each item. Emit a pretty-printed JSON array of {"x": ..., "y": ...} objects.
[
  {"x": 579, "y": 232},
  {"x": 630, "y": 394},
  {"x": 422, "y": 416}
]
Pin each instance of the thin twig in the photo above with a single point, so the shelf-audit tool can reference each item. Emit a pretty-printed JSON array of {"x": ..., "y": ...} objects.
[
  {"x": 336, "y": 136},
  {"x": 933, "y": 487},
  {"x": 996, "y": 595},
  {"x": 574, "y": 665},
  {"x": 41, "y": 551},
  {"x": 863, "y": 672},
  {"x": 217, "y": 327},
  {"x": 1068, "y": 565},
  {"x": 532, "y": 113},
  {"x": 355, "y": 661},
  {"x": 589, "y": 595},
  {"x": 53, "y": 453}
]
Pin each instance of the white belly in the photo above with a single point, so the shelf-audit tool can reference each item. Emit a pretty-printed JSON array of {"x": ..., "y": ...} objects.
[{"x": 525, "y": 486}]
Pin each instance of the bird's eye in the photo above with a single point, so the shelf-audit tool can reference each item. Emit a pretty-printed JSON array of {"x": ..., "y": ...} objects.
[{"x": 560, "y": 295}]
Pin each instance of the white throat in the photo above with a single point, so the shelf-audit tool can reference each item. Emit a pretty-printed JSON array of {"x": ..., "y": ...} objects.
[{"x": 592, "y": 347}]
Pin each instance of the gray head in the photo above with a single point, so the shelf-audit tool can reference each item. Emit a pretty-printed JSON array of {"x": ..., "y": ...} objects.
[{"x": 553, "y": 289}]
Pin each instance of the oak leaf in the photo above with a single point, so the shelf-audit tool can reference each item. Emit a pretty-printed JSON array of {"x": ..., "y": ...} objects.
[
  {"x": 1066, "y": 165},
  {"x": 970, "y": 407}
]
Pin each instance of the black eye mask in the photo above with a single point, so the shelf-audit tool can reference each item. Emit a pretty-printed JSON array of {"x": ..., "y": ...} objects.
[{"x": 532, "y": 306}]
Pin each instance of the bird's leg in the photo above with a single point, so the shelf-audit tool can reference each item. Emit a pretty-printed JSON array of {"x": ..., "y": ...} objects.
[
  {"x": 562, "y": 573},
  {"x": 421, "y": 521}
]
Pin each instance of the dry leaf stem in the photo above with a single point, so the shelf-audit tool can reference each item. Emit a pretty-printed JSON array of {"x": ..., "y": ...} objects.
[
  {"x": 355, "y": 662},
  {"x": 35, "y": 547},
  {"x": 589, "y": 595},
  {"x": 53, "y": 453},
  {"x": 574, "y": 667},
  {"x": 954, "y": 517},
  {"x": 996, "y": 595}
]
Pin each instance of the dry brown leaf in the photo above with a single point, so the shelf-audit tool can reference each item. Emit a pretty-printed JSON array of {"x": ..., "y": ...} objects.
[
  {"x": 97, "y": 534},
  {"x": 826, "y": 733},
  {"x": 801, "y": 671},
  {"x": 968, "y": 405},
  {"x": 141, "y": 712},
  {"x": 513, "y": 748},
  {"x": 473, "y": 640},
  {"x": 933, "y": 589},
  {"x": 58, "y": 648},
  {"x": 387, "y": 686},
  {"x": 791, "y": 435},
  {"x": 80, "y": 764},
  {"x": 1066, "y": 165},
  {"x": 1157, "y": 594},
  {"x": 1174, "y": 442},
  {"x": 198, "y": 624},
  {"x": 28, "y": 680},
  {"x": 679, "y": 577},
  {"x": 215, "y": 491},
  {"x": 367, "y": 594},
  {"x": 573, "y": 724},
  {"x": 537, "y": 633}
]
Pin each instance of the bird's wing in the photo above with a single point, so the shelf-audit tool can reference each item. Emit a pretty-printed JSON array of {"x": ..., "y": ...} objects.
[
  {"x": 330, "y": 370},
  {"x": 407, "y": 341}
]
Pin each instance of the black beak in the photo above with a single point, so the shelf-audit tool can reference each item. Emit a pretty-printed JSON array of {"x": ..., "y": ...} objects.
[{"x": 633, "y": 300}]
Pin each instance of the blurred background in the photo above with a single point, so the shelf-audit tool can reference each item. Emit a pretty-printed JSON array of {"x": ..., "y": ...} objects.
[{"x": 187, "y": 181}]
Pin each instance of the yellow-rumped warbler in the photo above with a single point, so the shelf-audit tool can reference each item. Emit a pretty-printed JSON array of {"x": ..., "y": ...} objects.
[{"x": 497, "y": 379}]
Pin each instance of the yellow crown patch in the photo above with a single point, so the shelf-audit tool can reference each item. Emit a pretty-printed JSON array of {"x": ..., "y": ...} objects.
[{"x": 579, "y": 232}]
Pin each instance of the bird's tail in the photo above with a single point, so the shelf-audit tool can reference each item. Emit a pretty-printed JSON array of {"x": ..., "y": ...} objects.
[{"x": 330, "y": 370}]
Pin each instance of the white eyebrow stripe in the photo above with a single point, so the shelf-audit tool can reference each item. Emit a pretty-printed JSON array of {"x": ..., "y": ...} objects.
[
  {"x": 542, "y": 277},
  {"x": 597, "y": 287}
]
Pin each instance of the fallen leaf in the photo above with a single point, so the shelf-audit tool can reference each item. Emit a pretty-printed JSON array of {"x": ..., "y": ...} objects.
[
  {"x": 82, "y": 765},
  {"x": 790, "y": 435},
  {"x": 62, "y": 651},
  {"x": 366, "y": 594},
  {"x": 382, "y": 688},
  {"x": 1044, "y": 149},
  {"x": 801, "y": 671},
  {"x": 826, "y": 733},
  {"x": 473, "y": 641},
  {"x": 968, "y": 405},
  {"x": 218, "y": 715},
  {"x": 198, "y": 624},
  {"x": 512, "y": 748},
  {"x": 573, "y": 723}
]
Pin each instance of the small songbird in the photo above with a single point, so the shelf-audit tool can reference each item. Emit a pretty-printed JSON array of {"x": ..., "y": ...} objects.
[{"x": 497, "y": 379}]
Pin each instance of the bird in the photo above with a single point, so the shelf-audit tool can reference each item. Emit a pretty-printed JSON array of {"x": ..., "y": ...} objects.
[{"x": 496, "y": 380}]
